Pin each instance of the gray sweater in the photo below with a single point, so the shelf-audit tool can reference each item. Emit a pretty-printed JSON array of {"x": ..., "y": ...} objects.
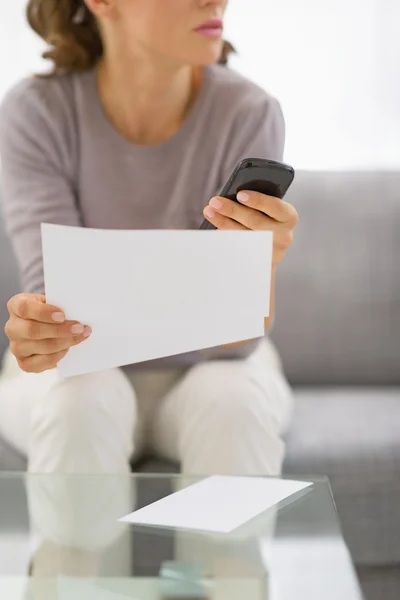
[{"x": 63, "y": 162}]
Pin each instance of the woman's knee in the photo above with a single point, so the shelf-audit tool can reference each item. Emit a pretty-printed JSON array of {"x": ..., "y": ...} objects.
[
  {"x": 229, "y": 424},
  {"x": 77, "y": 401},
  {"x": 84, "y": 424},
  {"x": 235, "y": 396}
]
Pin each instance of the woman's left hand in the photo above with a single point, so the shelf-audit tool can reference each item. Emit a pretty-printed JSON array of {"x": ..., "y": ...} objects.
[{"x": 256, "y": 212}]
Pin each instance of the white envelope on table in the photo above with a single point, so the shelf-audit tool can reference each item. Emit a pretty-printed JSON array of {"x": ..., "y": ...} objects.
[
  {"x": 218, "y": 504},
  {"x": 150, "y": 294}
]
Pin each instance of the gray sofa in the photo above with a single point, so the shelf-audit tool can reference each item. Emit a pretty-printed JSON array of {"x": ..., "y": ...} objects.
[{"x": 338, "y": 331}]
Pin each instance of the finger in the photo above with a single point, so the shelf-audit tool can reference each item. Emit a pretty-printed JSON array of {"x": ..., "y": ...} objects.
[
  {"x": 21, "y": 329},
  {"x": 34, "y": 307},
  {"x": 222, "y": 222},
  {"x": 40, "y": 363},
  {"x": 27, "y": 348},
  {"x": 274, "y": 207},
  {"x": 246, "y": 216}
]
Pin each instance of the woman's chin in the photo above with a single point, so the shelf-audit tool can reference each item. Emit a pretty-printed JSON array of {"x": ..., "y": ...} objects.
[
  {"x": 210, "y": 58},
  {"x": 209, "y": 54}
]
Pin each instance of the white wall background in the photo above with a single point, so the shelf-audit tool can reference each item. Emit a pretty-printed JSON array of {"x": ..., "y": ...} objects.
[
  {"x": 334, "y": 65},
  {"x": 20, "y": 48}
]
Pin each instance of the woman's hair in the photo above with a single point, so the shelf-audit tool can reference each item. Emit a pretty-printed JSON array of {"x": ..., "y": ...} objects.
[{"x": 73, "y": 36}]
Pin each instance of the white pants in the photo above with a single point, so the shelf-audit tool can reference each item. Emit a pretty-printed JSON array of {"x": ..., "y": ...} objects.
[{"x": 217, "y": 417}]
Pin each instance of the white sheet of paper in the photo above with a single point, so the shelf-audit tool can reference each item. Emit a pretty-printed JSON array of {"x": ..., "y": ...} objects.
[
  {"x": 218, "y": 504},
  {"x": 150, "y": 294}
]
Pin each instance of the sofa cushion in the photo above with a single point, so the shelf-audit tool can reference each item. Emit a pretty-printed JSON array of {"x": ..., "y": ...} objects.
[
  {"x": 352, "y": 436},
  {"x": 380, "y": 584},
  {"x": 338, "y": 289}
]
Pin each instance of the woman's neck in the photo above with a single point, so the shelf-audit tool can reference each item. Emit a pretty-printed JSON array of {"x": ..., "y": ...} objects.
[{"x": 146, "y": 103}]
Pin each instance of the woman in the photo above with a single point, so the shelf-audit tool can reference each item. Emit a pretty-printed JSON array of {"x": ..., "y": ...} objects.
[{"x": 136, "y": 127}]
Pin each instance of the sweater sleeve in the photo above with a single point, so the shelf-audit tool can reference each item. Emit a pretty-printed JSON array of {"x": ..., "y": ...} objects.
[
  {"x": 35, "y": 175},
  {"x": 258, "y": 132}
]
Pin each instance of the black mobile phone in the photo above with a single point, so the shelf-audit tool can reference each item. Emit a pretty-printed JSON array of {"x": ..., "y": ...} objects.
[{"x": 257, "y": 175}]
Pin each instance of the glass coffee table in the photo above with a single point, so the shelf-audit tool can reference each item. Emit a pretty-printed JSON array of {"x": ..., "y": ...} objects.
[{"x": 60, "y": 538}]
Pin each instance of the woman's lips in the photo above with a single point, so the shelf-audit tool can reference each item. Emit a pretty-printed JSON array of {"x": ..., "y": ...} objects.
[{"x": 211, "y": 29}]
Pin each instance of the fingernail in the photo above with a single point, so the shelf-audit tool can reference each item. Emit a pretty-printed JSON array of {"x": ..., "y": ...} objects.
[
  {"x": 77, "y": 329},
  {"x": 216, "y": 203},
  {"x": 58, "y": 317},
  {"x": 243, "y": 197},
  {"x": 87, "y": 331},
  {"x": 209, "y": 212}
]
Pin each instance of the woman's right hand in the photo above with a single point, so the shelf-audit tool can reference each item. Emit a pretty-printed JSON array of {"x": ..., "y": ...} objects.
[{"x": 39, "y": 334}]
